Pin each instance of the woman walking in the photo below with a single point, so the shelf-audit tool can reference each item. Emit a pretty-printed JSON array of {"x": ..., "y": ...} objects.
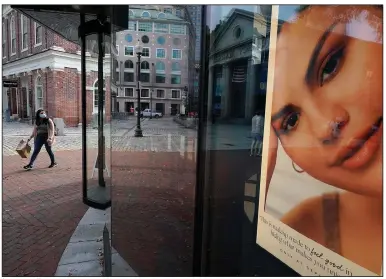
[{"x": 43, "y": 133}]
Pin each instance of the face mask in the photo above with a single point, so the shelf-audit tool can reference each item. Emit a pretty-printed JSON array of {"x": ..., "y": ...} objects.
[{"x": 42, "y": 115}]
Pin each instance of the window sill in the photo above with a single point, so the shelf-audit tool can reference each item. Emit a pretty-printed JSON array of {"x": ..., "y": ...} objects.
[
  {"x": 24, "y": 49},
  {"x": 39, "y": 44}
]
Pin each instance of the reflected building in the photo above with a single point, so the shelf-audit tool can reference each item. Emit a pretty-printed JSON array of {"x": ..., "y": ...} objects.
[
  {"x": 167, "y": 40},
  {"x": 237, "y": 66}
]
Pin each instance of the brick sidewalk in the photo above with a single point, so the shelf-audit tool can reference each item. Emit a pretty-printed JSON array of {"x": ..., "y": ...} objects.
[
  {"x": 41, "y": 209},
  {"x": 152, "y": 211}
]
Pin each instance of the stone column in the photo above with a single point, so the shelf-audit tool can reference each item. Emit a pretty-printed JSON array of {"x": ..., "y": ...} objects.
[
  {"x": 250, "y": 87},
  {"x": 210, "y": 93},
  {"x": 225, "y": 97}
]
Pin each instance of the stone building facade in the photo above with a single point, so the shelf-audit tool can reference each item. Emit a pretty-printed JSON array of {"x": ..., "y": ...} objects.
[
  {"x": 237, "y": 66},
  {"x": 46, "y": 69}
]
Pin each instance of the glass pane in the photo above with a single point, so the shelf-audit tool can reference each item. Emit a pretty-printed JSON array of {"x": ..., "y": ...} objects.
[
  {"x": 154, "y": 175},
  {"x": 233, "y": 150},
  {"x": 98, "y": 136}
]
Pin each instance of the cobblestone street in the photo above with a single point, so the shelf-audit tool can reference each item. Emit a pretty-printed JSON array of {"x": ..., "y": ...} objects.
[{"x": 159, "y": 135}]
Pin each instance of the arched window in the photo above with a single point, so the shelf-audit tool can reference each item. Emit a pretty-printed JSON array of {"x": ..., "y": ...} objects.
[
  {"x": 160, "y": 66},
  {"x": 131, "y": 13},
  {"x": 176, "y": 66},
  {"x": 39, "y": 93},
  {"x": 145, "y": 65},
  {"x": 145, "y": 14},
  {"x": 96, "y": 95},
  {"x": 161, "y": 15},
  {"x": 13, "y": 36},
  {"x": 129, "y": 64}
]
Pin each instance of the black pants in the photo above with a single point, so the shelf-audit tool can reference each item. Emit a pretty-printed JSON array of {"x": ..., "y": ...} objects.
[{"x": 41, "y": 140}]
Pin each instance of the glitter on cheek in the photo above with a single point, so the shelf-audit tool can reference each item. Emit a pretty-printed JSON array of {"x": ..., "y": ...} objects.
[{"x": 360, "y": 28}]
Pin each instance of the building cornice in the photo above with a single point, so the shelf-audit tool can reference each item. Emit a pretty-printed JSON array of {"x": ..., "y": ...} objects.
[
  {"x": 55, "y": 60},
  {"x": 6, "y": 10}
]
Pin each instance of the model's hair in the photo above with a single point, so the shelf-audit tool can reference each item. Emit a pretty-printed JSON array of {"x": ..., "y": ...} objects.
[{"x": 39, "y": 120}]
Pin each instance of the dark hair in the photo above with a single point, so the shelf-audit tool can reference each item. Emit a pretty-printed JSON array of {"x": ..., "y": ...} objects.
[{"x": 39, "y": 120}]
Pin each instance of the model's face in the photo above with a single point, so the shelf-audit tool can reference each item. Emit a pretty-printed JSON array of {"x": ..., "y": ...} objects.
[{"x": 327, "y": 100}]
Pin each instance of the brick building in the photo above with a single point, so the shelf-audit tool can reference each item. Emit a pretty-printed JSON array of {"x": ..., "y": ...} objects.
[{"x": 47, "y": 69}]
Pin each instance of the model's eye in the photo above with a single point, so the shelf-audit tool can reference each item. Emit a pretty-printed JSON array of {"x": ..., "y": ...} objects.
[
  {"x": 290, "y": 122},
  {"x": 330, "y": 66}
]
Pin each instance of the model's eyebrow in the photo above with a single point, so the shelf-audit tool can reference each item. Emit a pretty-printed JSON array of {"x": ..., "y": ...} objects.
[
  {"x": 316, "y": 51},
  {"x": 282, "y": 112}
]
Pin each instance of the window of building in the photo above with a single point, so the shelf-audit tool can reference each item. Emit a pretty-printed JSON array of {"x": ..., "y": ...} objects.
[
  {"x": 177, "y": 29},
  {"x": 145, "y": 14},
  {"x": 179, "y": 13},
  {"x": 145, "y": 93},
  {"x": 4, "y": 39},
  {"x": 131, "y": 13},
  {"x": 132, "y": 25},
  {"x": 160, "y": 78},
  {"x": 160, "y": 93},
  {"x": 115, "y": 70},
  {"x": 129, "y": 51},
  {"x": 13, "y": 36},
  {"x": 176, "y": 79},
  {"x": 160, "y": 66},
  {"x": 38, "y": 34},
  {"x": 128, "y": 77},
  {"x": 129, "y": 64},
  {"x": 176, "y": 94},
  {"x": 96, "y": 95},
  {"x": 129, "y": 92},
  {"x": 117, "y": 48},
  {"x": 177, "y": 41},
  {"x": 145, "y": 26},
  {"x": 161, "y": 40},
  {"x": 161, "y": 15},
  {"x": 145, "y": 39},
  {"x": 39, "y": 92},
  {"x": 176, "y": 54},
  {"x": 146, "y": 52},
  {"x": 145, "y": 77},
  {"x": 161, "y": 28},
  {"x": 168, "y": 10},
  {"x": 24, "y": 32},
  {"x": 176, "y": 67},
  {"x": 129, "y": 38},
  {"x": 161, "y": 53},
  {"x": 145, "y": 65}
]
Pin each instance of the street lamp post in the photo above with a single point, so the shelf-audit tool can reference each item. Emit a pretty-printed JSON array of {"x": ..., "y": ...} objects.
[
  {"x": 138, "y": 130},
  {"x": 185, "y": 99}
]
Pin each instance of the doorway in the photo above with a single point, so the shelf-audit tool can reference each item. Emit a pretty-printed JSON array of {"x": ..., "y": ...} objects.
[{"x": 160, "y": 107}]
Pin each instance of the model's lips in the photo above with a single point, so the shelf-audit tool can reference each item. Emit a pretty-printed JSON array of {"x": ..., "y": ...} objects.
[{"x": 361, "y": 148}]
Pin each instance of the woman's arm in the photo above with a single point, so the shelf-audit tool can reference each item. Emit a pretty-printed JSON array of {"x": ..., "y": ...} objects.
[
  {"x": 51, "y": 131},
  {"x": 33, "y": 133}
]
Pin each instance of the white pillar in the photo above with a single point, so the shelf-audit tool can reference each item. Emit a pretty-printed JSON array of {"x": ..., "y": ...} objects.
[
  {"x": 249, "y": 94},
  {"x": 225, "y": 98},
  {"x": 210, "y": 93}
]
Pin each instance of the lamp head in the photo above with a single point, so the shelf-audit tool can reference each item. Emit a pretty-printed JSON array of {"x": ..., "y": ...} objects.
[{"x": 138, "y": 48}]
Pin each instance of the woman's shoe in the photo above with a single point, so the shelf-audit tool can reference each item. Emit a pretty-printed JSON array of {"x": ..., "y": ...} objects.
[
  {"x": 53, "y": 165},
  {"x": 28, "y": 167}
]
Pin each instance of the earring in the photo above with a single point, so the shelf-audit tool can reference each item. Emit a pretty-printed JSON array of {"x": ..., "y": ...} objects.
[{"x": 297, "y": 170}]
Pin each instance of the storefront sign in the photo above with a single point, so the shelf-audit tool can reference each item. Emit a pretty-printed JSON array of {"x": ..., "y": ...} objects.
[
  {"x": 223, "y": 56},
  {"x": 321, "y": 201},
  {"x": 10, "y": 83}
]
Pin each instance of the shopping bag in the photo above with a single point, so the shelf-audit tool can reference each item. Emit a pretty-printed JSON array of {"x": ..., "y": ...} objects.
[{"x": 23, "y": 149}]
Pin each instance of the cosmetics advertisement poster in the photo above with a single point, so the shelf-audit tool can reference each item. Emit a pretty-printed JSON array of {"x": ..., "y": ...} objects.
[{"x": 321, "y": 191}]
